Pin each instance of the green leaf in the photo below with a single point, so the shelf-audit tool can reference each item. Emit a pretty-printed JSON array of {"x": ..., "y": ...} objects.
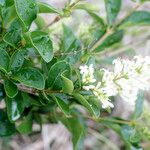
[
  {"x": 2, "y": 92},
  {"x": 68, "y": 38},
  {"x": 9, "y": 3},
  {"x": 10, "y": 88},
  {"x": 86, "y": 104},
  {"x": 17, "y": 60},
  {"x": 97, "y": 19},
  {"x": 25, "y": 127},
  {"x": 4, "y": 60},
  {"x": 62, "y": 105},
  {"x": 137, "y": 17},
  {"x": 54, "y": 77},
  {"x": 70, "y": 44},
  {"x": 26, "y": 11},
  {"x": 110, "y": 40},
  {"x": 6, "y": 127},
  {"x": 67, "y": 85},
  {"x": 15, "y": 107},
  {"x": 9, "y": 15},
  {"x": 87, "y": 7},
  {"x": 77, "y": 130},
  {"x": 45, "y": 8},
  {"x": 42, "y": 43},
  {"x": 13, "y": 36},
  {"x": 30, "y": 77},
  {"x": 139, "y": 105},
  {"x": 112, "y": 9},
  {"x": 129, "y": 134}
]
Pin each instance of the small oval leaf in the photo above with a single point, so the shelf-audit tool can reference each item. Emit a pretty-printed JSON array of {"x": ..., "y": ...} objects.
[
  {"x": 67, "y": 85},
  {"x": 30, "y": 77},
  {"x": 26, "y": 11},
  {"x": 54, "y": 76},
  {"x": 42, "y": 43},
  {"x": 4, "y": 60},
  {"x": 10, "y": 88}
]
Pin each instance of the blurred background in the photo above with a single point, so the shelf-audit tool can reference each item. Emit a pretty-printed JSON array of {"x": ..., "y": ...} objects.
[{"x": 135, "y": 42}]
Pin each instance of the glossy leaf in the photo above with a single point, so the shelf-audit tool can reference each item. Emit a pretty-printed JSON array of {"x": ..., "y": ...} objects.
[
  {"x": 54, "y": 77},
  {"x": 67, "y": 85},
  {"x": 42, "y": 43},
  {"x": 4, "y": 60},
  {"x": 13, "y": 36},
  {"x": 86, "y": 104},
  {"x": 62, "y": 105},
  {"x": 10, "y": 88},
  {"x": 30, "y": 77},
  {"x": 15, "y": 107},
  {"x": 112, "y": 8},
  {"x": 25, "y": 127},
  {"x": 137, "y": 17},
  {"x": 6, "y": 127},
  {"x": 17, "y": 60},
  {"x": 26, "y": 11},
  {"x": 110, "y": 40},
  {"x": 46, "y": 8}
]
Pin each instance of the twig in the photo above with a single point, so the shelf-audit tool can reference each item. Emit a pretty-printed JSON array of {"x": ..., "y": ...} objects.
[
  {"x": 30, "y": 90},
  {"x": 110, "y": 30}
]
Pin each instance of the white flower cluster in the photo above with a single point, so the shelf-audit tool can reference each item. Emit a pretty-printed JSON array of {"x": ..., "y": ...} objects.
[{"x": 127, "y": 78}]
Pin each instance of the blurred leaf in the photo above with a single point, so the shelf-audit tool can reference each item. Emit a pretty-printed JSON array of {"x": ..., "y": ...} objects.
[
  {"x": 139, "y": 105},
  {"x": 137, "y": 17},
  {"x": 67, "y": 39},
  {"x": 112, "y": 8},
  {"x": 77, "y": 130},
  {"x": 54, "y": 77},
  {"x": 71, "y": 46},
  {"x": 46, "y": 8},
  {"x": 30, "y": 77},
  {"x": 10, "y": 88},
  {"x": 9, "y": 2},
  {"x": 25, "y": 127},
  {"x": 6, "y": 127},
  {"x": 4, "y": 60},
  {"x": 97, "y": 18},
  {"x": 17, "y": 60},
  {"x": 110, "y": 40},
  {"x": 87, "y": 7},
  {"x": 42, "y": 43},
  {"x": 26, "y": 11}
]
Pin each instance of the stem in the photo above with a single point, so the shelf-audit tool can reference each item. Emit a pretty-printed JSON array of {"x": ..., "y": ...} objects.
[
  {"x": 29, "y": 90},
  {"x": 117, "y": 121},
  {"x": 110, "y": 30}
]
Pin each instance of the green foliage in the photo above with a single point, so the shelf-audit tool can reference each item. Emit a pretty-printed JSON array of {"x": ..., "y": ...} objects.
[
  {"x": 39, "y": 74},
  {"x": 112, "y": 8}
]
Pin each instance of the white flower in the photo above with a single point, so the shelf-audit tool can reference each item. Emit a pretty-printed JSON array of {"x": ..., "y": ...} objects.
[
  {"x": 127, "y": 78},
  {"x": 109, "y": 87},
  {"x": 88, "y": 87},
  {"x": 106, "y": 103},
  {"x": 87, "y": 73}
]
